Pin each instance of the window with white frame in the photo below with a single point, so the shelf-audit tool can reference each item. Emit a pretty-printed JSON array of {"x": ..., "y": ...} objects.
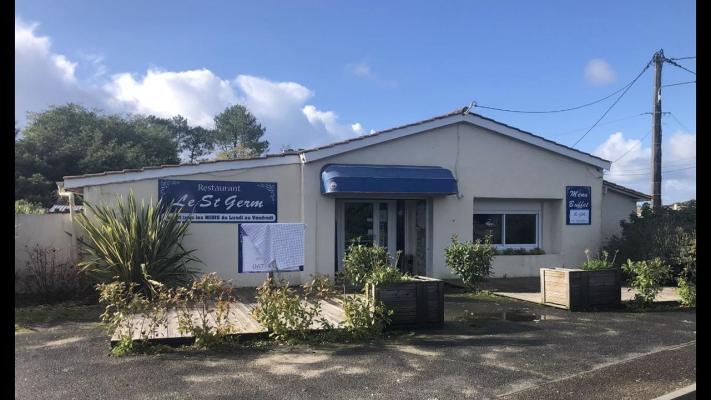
[{"x": 508, "y": 229}]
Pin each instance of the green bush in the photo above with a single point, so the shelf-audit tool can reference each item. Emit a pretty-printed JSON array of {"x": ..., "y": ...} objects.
[
  {"x": 364, "y": 319},
  {"x": 687, "y": 279},
  {"x": 653, "y": 234},
  {"x": 132, "y": 243},
  {"x": 519, "y": 252},
  {"x": 360, "y": 260},
  {"x": 28, "y": 207},
  {"x": 384, "y": 274},
  {"x": 471, "y": 261},
  {"x": 204, "y": 310},
  {"x": 598, "y": 263},
  {"x": 283, "y": 311},
  {"x": 647, "y": 278},
  {"x": 123, "y": 303},
  {"x": 687, "y": 292}
]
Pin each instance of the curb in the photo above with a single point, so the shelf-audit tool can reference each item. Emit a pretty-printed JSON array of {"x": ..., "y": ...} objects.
[{"x": 686, "y": 393}]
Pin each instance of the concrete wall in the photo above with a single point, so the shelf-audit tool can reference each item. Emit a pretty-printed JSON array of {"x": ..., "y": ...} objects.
[
  {"x": 45, "y": 230},
  {"x": 615, "y": 208},
  {"x": 486, "y": 165}
]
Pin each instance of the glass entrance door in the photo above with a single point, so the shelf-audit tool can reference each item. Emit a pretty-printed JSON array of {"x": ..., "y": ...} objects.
[{"x": 365, "y": 221}]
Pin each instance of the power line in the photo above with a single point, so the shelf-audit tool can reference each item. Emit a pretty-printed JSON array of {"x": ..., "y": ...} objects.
[
  {"x": 648, "y": 172},
  {"x": 679, "y": 83},
  {"x": 679, "y": 162},
  {"x": 606, "y": 123},
  {"x": 682, "y": 58},
  {"x": 624, "y": 88},
  {"x": 633, "y": 147},
  {"x": 679, "y": 66},
  {"x": 613, "y": 104},
  {"x": 679, "y": 122},
  {"x": 638, "y": 143}
]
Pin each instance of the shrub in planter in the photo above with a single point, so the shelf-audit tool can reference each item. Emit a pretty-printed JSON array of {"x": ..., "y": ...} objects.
[
  {"x": 360, "y": 260},
  {"x": 647, "y": 278},
  {"x": 471, "y": 261},
  {"x": 135, "y": 243},
  {"x": 520, "y": 252},
  {"x": 384, "y": 274},
  {"x": 598, "y": 263}
]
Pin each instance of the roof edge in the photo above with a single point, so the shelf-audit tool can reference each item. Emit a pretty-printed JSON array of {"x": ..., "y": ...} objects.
[{"x": 626, "y": 191}]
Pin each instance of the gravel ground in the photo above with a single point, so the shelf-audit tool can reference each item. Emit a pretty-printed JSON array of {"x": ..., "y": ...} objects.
[{"x": 488, "y": 348}]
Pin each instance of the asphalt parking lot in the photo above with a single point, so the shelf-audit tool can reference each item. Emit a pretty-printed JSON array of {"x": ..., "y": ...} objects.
[{"x": 498, "y": 347}]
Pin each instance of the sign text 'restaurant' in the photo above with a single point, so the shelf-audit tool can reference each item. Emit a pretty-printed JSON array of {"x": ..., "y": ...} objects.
[{"x": 221, "y": 201}]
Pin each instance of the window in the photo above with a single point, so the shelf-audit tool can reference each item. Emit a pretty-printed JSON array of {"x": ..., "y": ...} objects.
[{"x": 508, "y": 229}]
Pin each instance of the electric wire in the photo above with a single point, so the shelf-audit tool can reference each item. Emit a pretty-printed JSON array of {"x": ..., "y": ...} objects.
[
  {"x": 624, "y": 88},
  {"x": 615, "y": 103},
  {"x": 678, "y": 65},
  {"x": 679, "y": 83}
]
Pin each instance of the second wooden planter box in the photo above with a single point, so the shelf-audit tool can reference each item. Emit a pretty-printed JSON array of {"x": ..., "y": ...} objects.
[
  {"x": 577, "y": 289},
  {"x": 415, "y": 303}
]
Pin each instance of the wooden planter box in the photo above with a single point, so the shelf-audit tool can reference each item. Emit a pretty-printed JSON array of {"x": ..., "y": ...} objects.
[
  {"x": 577, "y": 289},
  {"x": 415, "y": 303}
]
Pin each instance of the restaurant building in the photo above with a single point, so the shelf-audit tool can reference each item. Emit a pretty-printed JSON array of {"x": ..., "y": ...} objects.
[{"x": 409, "y": 188}]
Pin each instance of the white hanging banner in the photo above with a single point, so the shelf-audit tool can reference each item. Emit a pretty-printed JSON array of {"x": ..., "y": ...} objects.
[{"x": 268, "y": 247}]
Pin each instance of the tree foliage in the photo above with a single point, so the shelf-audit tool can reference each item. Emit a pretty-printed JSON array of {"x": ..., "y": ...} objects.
[
  {"x": 238, "y": 134},
  {"x": 73, "y": 140},
  {"x": 652, "y": 234}
]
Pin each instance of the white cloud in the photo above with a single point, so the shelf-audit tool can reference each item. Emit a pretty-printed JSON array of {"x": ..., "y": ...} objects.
[
  {"x": 357, "y": 128},
  {"x": 42, "y": 78},
  {"x": 598, "y": 72},
  {"x": 634, "y": 166},
  {"x": 45, "y": 78},
  {"x": 361, "y": 69},
  {"x": 329, "y": 121},
  {"x": 197, "y": 94}
]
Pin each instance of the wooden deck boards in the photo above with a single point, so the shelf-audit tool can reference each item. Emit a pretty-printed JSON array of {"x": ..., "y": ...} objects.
[{"x": 240, "y": 316}]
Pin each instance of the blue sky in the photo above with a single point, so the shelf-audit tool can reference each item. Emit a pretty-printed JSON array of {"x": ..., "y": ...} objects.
[{"x": 315, "y": 72}]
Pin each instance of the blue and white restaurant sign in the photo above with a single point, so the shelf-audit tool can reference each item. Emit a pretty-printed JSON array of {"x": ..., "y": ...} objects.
[
  {"x": 577, "y": 205},
  {"x": 220, "y": 201}
]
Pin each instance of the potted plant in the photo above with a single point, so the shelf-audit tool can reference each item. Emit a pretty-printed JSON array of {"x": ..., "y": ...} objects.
[
  {"x": 415, "y": 301},
  {"x": 597, "y": 283}
]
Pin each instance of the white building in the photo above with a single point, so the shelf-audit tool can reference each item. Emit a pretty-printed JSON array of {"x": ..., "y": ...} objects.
[{"x": 408, "y": 188}]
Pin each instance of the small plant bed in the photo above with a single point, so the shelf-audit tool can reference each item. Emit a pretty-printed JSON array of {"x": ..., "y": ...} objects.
[
  {"x": 597, "y": 284},
  {"x": 415, "y": 302}
]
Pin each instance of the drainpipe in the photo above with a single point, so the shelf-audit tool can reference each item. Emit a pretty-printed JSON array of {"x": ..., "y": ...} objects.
[{"x": 73, "y": 248}]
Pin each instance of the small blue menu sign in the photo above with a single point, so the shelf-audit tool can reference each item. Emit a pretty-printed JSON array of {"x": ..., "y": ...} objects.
[{"x": 577, "y": 205}]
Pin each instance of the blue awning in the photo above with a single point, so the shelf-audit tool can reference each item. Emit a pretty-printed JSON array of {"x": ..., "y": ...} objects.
[{"x": 387, "y": 179}]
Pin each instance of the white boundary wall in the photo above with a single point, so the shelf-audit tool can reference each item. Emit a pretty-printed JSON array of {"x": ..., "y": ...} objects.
[{"x": 45, "y": 230}]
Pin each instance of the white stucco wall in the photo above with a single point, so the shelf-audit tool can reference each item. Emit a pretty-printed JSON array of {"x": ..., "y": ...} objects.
[
  {"x": 615, "y": 208},
  {"x": 486, "y": 165},
  {"x": 49, "y": 231}
]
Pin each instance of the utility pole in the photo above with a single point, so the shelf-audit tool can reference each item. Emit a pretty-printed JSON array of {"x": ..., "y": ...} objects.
[{"x": 658, "y": 60}]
